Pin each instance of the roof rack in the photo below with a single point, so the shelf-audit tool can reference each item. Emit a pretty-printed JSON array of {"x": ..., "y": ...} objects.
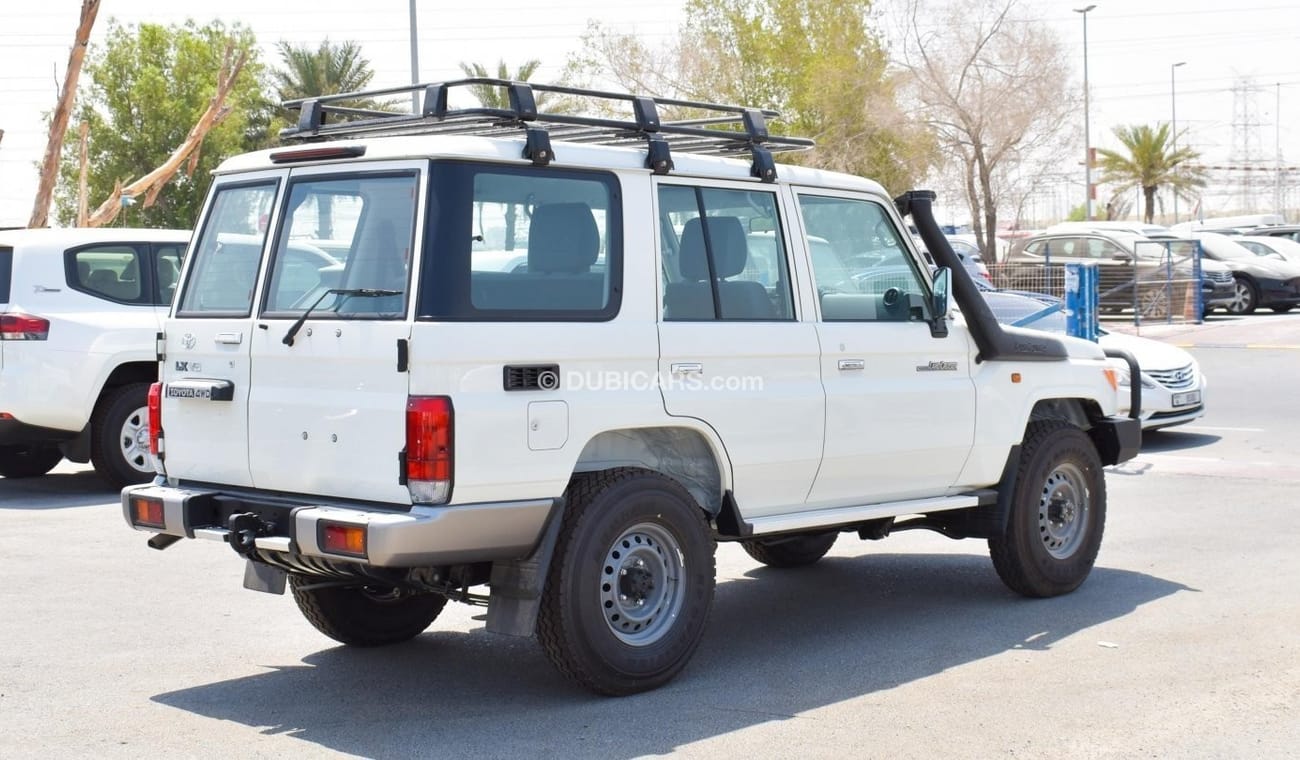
[{"x": 720, "y": 130}]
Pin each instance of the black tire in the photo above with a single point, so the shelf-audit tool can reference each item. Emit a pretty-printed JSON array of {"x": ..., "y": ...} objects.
[
  {"x": 613, "y": 618},
  {"x": 119, "y": 440},
  {"x": 790, "y": 551},
  {"x": 1246, "y": 299},
  {"x": 1284, "y": 308},
  {"x": 28, "y": 461},
  {"x": 363, "y": 617},
  {"x": 1057, "y": 514}
]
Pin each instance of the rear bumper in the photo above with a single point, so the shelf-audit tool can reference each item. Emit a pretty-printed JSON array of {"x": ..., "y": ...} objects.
[{"x": 424, "y": 536}]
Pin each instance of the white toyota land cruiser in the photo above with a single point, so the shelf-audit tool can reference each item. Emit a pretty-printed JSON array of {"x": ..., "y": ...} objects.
[
  {"x": 563, "y": 356},
  {"x": 80, "y": 311}
]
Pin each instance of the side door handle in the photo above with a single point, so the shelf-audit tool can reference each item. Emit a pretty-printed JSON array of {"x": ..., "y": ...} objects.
[
  {"x": 230, "y": 338},
  {"x": 851, "y": 364},
  {"x": 687, "y": 368}
]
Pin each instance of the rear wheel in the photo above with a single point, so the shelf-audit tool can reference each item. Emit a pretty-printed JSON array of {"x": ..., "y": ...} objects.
[
  {"x": 629, "y": 590},
  {"x": 361, "y": 616},
  {"x": 1057, "y": 516},
  {"x": 28, "y": 461},
  {"x": 790, "y": 551},
  {"x": 119, "y": 445}
]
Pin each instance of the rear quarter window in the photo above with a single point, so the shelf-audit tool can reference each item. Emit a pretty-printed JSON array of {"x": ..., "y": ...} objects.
[
  {"x": 522, "y": 244},
  {"x": 109, "y": 272}
]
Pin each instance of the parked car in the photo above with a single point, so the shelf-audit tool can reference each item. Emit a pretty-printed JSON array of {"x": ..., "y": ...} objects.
[
  {"x": 969, "y": 254},
  {"x": 1283, "y": 248},
  {"x": 572, "y": 442},
  {"x": 1157, "y": 267},
  {"x": 1287, "y": 231},
  {"x": 80, "y": 311},
  {"x": 1259, "y": 280},
  {"x": 1173, "y": 386}
]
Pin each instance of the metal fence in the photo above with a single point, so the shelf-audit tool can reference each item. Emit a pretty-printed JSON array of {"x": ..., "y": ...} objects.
[{"x": 1165, "y": 283}]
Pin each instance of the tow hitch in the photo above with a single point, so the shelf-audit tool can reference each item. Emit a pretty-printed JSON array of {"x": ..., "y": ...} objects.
[{"x": 244, "y": 529}]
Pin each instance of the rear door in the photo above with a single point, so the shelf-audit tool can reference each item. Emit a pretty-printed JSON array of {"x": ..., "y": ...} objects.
[
  {"x": 328, "y": 404},
  {"x": 206, "y": 361}
]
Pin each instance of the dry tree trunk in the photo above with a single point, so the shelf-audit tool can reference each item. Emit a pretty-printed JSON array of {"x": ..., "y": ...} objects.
[
  {"x": 84, "y": 169},
  {"x": 59, "y": 123},
  {"x": 152, "y": 183}
]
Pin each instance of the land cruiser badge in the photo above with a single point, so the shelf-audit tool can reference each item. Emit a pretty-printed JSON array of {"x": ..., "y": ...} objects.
[{"x": 938, "y": 367}]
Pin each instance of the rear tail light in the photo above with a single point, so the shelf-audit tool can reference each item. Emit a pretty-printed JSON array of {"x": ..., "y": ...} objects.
[
  {"x": 147, "y": 512},
  {"x": 428, "y": 465},
  {"x": 23, "y": 327},
  {"x": 155, "y": 424}
]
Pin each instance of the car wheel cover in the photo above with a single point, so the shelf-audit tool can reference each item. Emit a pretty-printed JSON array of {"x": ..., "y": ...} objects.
[{"x": 133, "y": 441}]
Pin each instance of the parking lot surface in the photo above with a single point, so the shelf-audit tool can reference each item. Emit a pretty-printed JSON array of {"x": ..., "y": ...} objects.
[{"x": 1183, "y": 643}]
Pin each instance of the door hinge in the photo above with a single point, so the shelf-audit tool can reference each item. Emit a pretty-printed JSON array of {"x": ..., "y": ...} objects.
[
  {"x": 403, "y": 354},
  {"x": 160, "y": 345}
]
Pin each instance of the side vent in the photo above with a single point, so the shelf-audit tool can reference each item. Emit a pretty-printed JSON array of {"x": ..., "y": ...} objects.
[{"x": 531, "y": 377}]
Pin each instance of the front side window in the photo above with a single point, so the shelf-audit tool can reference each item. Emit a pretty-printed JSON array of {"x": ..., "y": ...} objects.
[
  {"x": 353, "y": 234},
  {"x": 723, "y": 255},
  {"x": 112, "y": 272},
  {"x": 523, "y": 244},
  {"x": 224, "y": 271},
  {"x": 861, "y": 268}
]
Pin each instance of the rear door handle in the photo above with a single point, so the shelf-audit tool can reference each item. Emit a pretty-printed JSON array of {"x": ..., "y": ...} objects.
[
  {"x": 687, "y": 368},
  {"x": 230, "y": 338},
  {"x": 849, "y": 364}
]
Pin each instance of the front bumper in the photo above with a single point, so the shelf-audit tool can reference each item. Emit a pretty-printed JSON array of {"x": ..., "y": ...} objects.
[
  {"x": 422, "y": 537},
  {"x": 1117, "y": 439},
  {"x": 1217, "y": 294}
]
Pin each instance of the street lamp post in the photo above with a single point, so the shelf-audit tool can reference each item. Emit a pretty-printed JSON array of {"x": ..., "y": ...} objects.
[
  {"x": 415, "y": 61},
  {"x": 1087, "y": 143},
  {"x": 1173, "y": 119}
]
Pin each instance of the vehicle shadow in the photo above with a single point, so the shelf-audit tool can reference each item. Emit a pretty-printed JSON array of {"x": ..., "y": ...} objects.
[
  {"x": 1155, "y": 441},
  {"x": 780, "y": 643},
  {"x": 57, "y": 490}
]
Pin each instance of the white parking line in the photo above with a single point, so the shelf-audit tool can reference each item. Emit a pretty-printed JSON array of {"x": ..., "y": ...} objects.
[{"x": 1195, "y": 428}]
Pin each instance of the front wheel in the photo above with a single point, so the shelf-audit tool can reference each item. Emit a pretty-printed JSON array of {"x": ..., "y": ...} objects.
[
  {"x": 119, "y": 444},
  {"x": 629, "y": 590},
  {"x": 1244, "y": 298},
  {"x": 1057, "y": 514},
  {"x": 361, "y": 616},
  {"x": 790, "y": 551},
  {"x": 28, "y": 461}
]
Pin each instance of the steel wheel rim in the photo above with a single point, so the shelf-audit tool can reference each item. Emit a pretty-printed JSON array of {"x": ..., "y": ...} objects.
[
  {"x": 134, "y": 440},
  {"x": 1153, "y": 304},
  {"x": 641, "y": 587},
  {"x": 1064, "y": 511}
]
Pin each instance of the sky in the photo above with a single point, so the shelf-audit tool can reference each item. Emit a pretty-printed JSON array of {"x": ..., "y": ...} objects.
[{"x": 1237, "y": 96}]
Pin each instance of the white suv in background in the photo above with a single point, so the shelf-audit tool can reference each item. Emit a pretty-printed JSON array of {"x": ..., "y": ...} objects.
[{"x": 80, "y": 310}]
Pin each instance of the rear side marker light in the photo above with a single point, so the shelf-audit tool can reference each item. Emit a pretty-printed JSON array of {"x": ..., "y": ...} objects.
[
  {"x": 340, "y": 538},
  {"x": 147, "y": 512},
  {"x": 23, "y": 327}
]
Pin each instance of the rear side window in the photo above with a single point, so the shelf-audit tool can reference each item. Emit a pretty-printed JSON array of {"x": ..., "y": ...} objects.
[
  {"x": 110, "y": 272},
  {"x": 523, "y": 244},
  {"x": 6, "y": 272},
  {"x": 224, "y": 271}
]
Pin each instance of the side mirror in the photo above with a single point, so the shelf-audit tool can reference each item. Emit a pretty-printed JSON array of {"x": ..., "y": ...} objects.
[
  {"x": 1123, "y": 256},
  {"x": 939, "y": 304}
]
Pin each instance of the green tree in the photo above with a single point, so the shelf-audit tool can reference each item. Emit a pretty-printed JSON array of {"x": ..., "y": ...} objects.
[
  {"x": 1151, "y": 163},
  {"x": 492, "y": 96},
  {"x": 818, "y": 62},
  {"x": 328, "y": 69},
  {"x": 146, "y": 87}
]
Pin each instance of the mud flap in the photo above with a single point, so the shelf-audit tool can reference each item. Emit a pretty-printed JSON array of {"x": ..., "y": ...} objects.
[{"x": 259, "y": 576}]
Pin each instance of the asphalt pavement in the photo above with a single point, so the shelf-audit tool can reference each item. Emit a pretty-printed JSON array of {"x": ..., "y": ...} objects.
[{"x": 1183, "y": 643}]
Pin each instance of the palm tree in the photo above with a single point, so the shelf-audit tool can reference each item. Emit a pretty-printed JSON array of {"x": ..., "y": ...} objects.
[
  {"x": 1150, "y": 164},
  {"x": 327, "y": 70},
  {"x": 494, "y": 96}
]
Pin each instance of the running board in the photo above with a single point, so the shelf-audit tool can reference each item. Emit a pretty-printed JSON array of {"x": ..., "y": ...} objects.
[{"x": 828, "y": 518}]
